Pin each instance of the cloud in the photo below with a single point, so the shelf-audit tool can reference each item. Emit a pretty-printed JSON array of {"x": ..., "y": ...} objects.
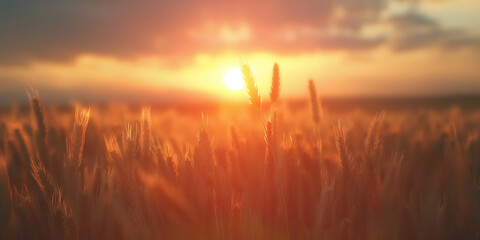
[
  {"x": 60, "y": 31},
  {"x": 419, "y": 31},
  {"x": 412, "y": 21}
]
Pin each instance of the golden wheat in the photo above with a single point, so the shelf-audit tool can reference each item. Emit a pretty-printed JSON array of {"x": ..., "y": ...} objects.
[{"x": 387, "y": 179}]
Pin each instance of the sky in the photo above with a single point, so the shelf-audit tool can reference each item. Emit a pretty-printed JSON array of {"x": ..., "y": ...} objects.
[{"x": 180, "y": 50}]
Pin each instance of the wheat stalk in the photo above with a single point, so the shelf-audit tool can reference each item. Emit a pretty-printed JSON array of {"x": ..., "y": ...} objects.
[
  {"x": 77, "y": 138},
  {"x": 145, "y": 131},
  {"x": 314, "y": 102},
  {"x": 252, "y": 89},
  {"x": 372, "y": 140},
  {"x": 275, "y": 90},
  {"x": 39, "y": 113},
  {"x": 342, "y": 149},
  {"x": 42, "y": 129}
]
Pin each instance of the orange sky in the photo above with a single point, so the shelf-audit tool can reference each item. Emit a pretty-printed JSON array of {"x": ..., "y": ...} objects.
[{"x": 181, "y": 50}]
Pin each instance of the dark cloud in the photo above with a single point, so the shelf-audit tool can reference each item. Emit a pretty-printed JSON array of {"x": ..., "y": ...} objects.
[
  {"x": 471, "y": 42},
  {"x": 419, "y": 31},
  {"x": 412, "y": 21},
  {"x": 61, "y": 30}
]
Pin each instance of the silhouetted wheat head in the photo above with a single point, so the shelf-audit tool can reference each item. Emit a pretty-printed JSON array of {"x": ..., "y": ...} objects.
[
  {"x": 314, "y": 102},
  {"x": 251, "y": 86},
  {"x": 275, "y": 89}
]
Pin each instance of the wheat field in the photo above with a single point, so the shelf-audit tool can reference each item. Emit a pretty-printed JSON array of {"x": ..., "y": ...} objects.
[{"x": 268, "y": 170}]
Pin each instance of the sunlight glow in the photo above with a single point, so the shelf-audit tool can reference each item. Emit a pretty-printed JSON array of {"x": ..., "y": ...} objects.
[{"x": 233, "y": 79}]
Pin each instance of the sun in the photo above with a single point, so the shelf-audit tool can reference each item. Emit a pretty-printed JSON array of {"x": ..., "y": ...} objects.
[{"x": 234, "y": 79}]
